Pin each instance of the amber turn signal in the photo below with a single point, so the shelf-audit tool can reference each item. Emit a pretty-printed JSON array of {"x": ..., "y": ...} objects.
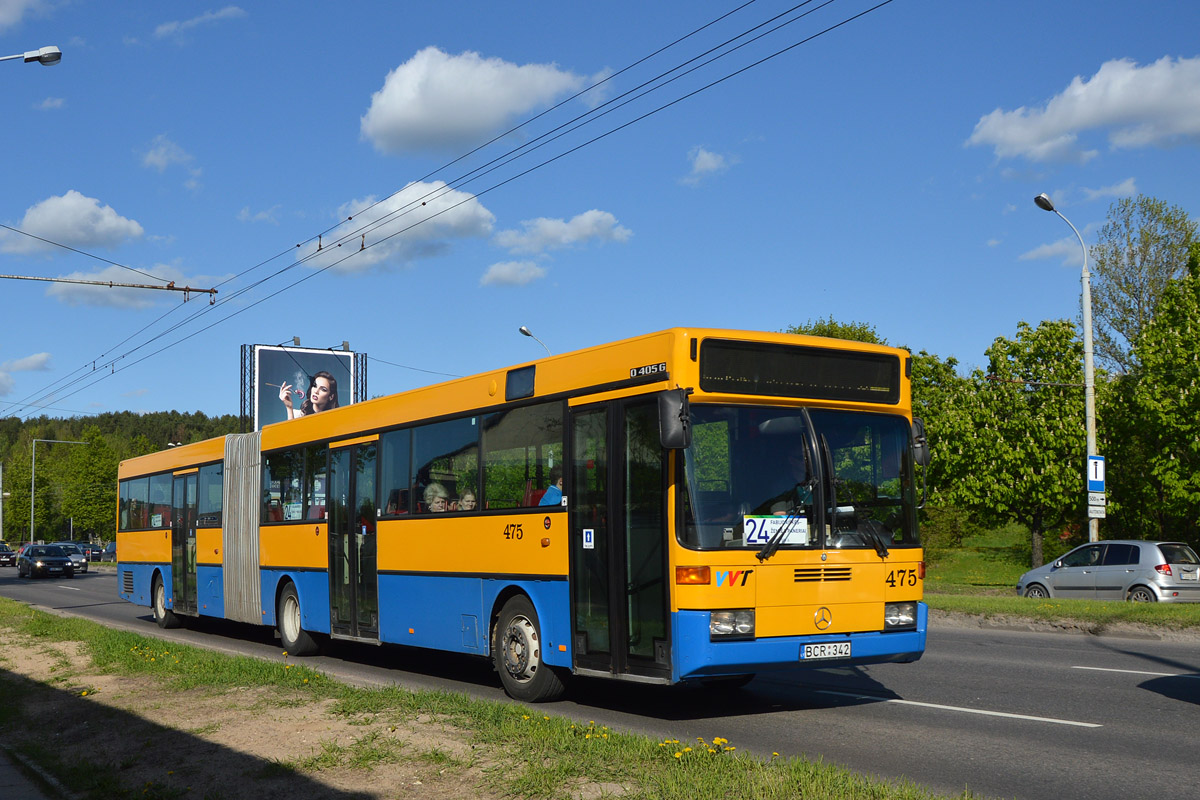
[{"x": 693, "y": 575}]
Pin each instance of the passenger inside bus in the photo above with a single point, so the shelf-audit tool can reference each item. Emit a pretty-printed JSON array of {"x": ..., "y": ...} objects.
[{"x": 436, "y": 498}]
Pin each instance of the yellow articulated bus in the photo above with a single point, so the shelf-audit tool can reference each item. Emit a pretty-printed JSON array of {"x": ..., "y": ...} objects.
[{"x": 691, "y": 505}]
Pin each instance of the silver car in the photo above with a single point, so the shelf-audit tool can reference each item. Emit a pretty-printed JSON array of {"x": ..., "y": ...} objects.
[
  {"x": 76, "y": 554},
  {"x": 1144, "y": 572}
]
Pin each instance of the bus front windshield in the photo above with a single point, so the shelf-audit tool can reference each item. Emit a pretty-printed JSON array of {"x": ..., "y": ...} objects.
[{"x": 800, "y": 479}]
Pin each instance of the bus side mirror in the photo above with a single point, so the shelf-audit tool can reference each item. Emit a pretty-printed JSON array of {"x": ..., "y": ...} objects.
[
  {"x": 674, "y": 419},
  {"x": 920, "y": 443}
]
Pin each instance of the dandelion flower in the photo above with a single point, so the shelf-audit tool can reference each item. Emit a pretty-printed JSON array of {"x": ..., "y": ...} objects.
[{"x": 678, "y": 754}]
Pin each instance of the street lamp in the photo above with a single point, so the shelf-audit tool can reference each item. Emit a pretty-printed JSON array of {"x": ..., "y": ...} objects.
[
  {"x": 1089, "y": 379},
  {"x": 33, "y": 475},
  {"x": 525, "y": 332},
  {"x": 48, "y": 56}
]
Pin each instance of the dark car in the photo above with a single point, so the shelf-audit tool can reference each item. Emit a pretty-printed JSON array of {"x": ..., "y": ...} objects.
[
  {"x": 92, "y": 551},
  {"x": 8, "y": 556},
  {"x": 110, "y": 552},
  {"x": 44, "y": 559}
]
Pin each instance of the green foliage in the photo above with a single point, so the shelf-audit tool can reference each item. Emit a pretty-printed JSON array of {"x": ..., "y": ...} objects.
[
  {"x": 1033, "y": 430},
  {"x": 1154, "y": 415},
  {"x": 1141, "y": 248},
  {"x": 77, "y": 484},
  {"x": 831, "y": 328}
]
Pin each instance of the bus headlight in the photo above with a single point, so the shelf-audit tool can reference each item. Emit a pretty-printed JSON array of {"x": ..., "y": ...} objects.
[
  {"x": 899, "y": 615},
  {"x": 731, "y": 624}
]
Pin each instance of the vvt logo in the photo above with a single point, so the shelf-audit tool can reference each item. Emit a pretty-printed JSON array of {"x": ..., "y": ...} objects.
[{"x": 731, "y": 578}]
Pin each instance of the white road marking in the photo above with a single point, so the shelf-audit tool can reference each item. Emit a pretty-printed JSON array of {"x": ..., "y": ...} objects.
[
  {"x": 72, "y": 588},
  {"x": 1141, "y": 672},
  {"x": 965, "y": 710}
]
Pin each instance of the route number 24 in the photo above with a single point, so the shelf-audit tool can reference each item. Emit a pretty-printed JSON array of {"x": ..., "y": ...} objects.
[{"x": 901, "y": 577}]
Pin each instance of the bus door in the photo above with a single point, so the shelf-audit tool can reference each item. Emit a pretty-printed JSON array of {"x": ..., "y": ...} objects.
[
  {"x": 353, "y": 571},
  {"x": 183, "y": 542},
  {"x": 618, "y": 541}
]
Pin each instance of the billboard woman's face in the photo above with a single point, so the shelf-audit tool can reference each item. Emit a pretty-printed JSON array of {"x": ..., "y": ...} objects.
[{"x": 319, "y": 394}]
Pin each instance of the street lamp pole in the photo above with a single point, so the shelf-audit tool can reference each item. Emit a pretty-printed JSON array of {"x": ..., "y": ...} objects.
[
  {"x": 47, "y": 56},
  {"x": 526, "y": 332},
  {"x": 33, "y": 475},
  {"x": 1089, "y": 372}
]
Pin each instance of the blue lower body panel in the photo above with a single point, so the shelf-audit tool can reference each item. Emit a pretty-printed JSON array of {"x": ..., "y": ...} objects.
[
  {"x": 697, "y": 656},
  {"x": 312, "y": 586},
  {"x": 141, "y": 578},
  {"x": 454, "y": 613}
]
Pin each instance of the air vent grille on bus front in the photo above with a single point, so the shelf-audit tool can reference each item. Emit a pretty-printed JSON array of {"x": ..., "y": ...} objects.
[
  {"x": 819, "y": 574},
  {"x": 127, "y": 581}
]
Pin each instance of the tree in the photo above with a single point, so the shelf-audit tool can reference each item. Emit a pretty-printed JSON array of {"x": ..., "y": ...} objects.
[
  {"x": 853, "y": 331},
  {"x": 89, "y": 494},
  {"x": 1032, "y": 432},
  {"x": 1156, "y": 448},
  {"x": 1141, "y": 248}
]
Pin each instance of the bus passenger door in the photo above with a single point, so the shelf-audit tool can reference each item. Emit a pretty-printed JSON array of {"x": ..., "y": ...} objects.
[
  {"x": 183, "y": 542},
  {"x": 618, "y": 541},
  {"x": 353, "y": 572}
]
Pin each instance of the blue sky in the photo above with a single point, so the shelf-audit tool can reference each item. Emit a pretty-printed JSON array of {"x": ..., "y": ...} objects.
[{"x": 883, "y": 172}]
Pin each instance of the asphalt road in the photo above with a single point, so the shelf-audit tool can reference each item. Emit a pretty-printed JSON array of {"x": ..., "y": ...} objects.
[{"x": 1002, "y": 713}]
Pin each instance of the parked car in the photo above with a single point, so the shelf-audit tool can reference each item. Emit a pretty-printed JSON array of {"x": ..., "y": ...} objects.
[
  {"x": 44, "y": 559},
  {"x": 92, "y": 551},
  {"x": 76, "y": 554},
  {"x": 1144, "y": 572},
  {"x": 110, "y": 552},
  {"x": 8, "y": 556}
]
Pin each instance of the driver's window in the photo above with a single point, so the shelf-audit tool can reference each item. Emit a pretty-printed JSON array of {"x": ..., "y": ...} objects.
[{"x": 1083, "y": 557}]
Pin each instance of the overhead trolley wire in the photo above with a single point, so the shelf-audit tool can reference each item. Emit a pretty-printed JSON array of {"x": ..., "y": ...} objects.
[{"x": 511, "y": 156}]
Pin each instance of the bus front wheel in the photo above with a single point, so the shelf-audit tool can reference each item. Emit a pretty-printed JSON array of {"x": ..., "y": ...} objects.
[
  {"x": 296, "y": 640},
  {"x": 517, "y": 654},
  {"x": 164, "y": 616}
]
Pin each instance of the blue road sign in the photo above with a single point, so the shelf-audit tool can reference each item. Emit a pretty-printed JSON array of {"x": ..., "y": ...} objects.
[{"x": 1095, "y": 473}]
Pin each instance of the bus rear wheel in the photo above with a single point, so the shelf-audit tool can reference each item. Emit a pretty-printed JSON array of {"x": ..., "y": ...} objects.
[
  {"x": 296, "y": 640},
  {"x": 164, "y": 616},
  {"x": 517, "y": 654}
]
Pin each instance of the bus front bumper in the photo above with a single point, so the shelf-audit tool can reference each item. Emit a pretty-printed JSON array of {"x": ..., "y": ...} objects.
[{"x": 699, "y": 656}]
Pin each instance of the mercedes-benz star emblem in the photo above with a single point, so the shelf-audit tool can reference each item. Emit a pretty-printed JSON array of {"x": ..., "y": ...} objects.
[{"x": 823, "y": 618}]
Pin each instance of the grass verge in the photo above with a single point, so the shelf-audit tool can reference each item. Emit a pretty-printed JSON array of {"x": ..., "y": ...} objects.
[
  {"x": 458, "y": 745},
  {"x": 1092, "y": 614}
]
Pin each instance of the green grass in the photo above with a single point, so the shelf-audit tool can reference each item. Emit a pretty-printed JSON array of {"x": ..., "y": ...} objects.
[
  {"x": 526, "y": 753},
  {"x": 1094, "y": 614}
]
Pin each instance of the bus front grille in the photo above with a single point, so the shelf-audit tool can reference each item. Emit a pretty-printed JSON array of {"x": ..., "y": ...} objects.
[{"x": 820, "y": 574}]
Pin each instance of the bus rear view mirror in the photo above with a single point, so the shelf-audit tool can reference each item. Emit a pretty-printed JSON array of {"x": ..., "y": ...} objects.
[
  {"x": 674, "y": 419},
  {"x": 920, "y": 443}
]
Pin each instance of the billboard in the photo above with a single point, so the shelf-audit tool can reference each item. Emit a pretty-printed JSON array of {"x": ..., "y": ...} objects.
[{"x": 295, "y": 381}]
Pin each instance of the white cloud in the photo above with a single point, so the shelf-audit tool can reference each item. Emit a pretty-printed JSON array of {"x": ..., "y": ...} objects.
[
  {"x": 420, "y": 221},
  {"x": 163, "y": 152},
  {"x": 1158, "y": 104},
  {"x": 70, "y": 219},
  {"x": 267, "y": 215},
  {"x": 993, "y": 242},
  {"x": 436, "y": 100},
  {"x": 705, "y": 163},
  {"x": 50, "y": 103},
  {"x": 1066, "y": 249},
  {"x": 119, "y": 297},
  {"x": 1126, "y": 188},
  {"x": 12, "y": 11},
  {"x": 512, "y": 273},
  {"x": 38, "y": 362},
  {"x": 208, "y": 17},
  {"x": 541, "y": 234}
]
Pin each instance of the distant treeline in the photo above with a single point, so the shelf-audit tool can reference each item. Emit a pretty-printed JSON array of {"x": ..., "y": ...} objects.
[{"x": 77, "y": 484}]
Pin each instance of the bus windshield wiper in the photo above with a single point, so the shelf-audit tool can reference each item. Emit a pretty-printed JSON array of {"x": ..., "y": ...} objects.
[
  {"x": 872, "y": 529},
  {"x": 772, "y": 546}
]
